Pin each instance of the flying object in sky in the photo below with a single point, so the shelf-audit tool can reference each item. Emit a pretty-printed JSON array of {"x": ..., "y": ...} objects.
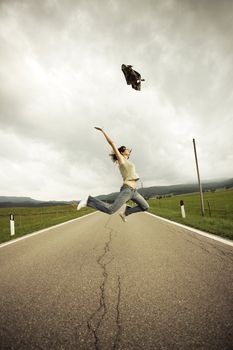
[{"x": 132, "y": 77}]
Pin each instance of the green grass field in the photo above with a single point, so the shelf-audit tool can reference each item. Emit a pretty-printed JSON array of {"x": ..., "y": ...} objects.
[
  {"x": 218, "y": 217},
  {"x": 29, "y": 220}
]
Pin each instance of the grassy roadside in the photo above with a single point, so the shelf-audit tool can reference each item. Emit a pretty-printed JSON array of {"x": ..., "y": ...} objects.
[
  {"x": 218, "y": 217},
  {"x": 28, "y": 220}
]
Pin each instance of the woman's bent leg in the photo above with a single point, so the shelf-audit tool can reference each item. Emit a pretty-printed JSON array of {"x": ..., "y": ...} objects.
[
  {"x": 98, "y": 204},
  {"x": 121, "y": 199},
  {"x": 142, "y": 204}
]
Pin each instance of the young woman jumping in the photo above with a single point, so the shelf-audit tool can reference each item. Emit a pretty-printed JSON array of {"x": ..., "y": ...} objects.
[{"x": 128, "y": 190}]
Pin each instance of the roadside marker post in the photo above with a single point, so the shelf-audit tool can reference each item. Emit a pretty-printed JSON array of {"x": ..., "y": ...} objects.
[
  {"x": 182, "y": 209},
  {"x": 12, "y": 224}
]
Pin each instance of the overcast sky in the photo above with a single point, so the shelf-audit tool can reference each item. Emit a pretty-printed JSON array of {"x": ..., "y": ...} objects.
[{"x": 60, "y": 74}]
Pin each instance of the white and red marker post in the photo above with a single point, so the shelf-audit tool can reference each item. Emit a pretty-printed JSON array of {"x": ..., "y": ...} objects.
[
  {"x": 12, "y": 224},
  {"x": 182, "y": 209}
]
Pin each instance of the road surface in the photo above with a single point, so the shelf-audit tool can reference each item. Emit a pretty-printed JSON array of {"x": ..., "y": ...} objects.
[{"x": 98, "y": 283}]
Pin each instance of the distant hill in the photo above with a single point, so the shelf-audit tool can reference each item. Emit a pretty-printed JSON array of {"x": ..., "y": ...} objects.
[
  {"x": 4, "y": 199},
  {"x": 6, "y": 202},
  {"x": 147, "y": 192}
]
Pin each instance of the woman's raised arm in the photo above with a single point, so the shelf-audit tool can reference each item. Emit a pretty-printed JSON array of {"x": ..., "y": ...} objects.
[{"x": 111, "y": 143}]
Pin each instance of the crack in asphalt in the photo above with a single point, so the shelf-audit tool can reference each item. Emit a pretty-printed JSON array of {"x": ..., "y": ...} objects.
[
  {"x": 102, "y": 309},
  {"x": 98, "y": 315},
  {"x": 118, "y": 334},
  {"x": 216, "y": 250}
]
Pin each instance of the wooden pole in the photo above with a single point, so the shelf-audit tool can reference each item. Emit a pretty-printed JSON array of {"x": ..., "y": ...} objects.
[{"x": 199, "y": 181}]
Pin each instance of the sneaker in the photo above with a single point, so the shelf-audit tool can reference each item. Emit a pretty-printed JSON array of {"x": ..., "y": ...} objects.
[
  {"x": 82, "y": 203},
  {"x": 123, "y": 217}
]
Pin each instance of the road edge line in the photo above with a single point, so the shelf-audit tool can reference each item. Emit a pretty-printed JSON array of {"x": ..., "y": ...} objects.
[
  {"x": 4, "y": 244},
  {"x": 202, "y": 233}
]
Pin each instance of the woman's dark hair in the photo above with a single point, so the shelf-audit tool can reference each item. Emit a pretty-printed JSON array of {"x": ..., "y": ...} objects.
[{"x": 114, "y": 157}]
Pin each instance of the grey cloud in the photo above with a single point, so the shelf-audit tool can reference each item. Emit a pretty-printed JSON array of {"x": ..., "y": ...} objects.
[{"x": 60, "y": 73}]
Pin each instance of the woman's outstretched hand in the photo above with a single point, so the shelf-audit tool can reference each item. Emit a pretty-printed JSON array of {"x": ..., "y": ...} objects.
[
  {"x": 97, "y": 128},
  {"x": 106, "y": 136}
]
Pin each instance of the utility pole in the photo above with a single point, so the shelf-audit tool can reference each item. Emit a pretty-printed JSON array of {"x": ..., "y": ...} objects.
[{"x": 199, "y": 181}]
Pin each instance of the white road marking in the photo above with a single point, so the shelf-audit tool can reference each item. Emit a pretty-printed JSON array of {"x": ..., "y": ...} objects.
[
  {"x": 199, "y": 232},
  {"x": 202, "y": 233},
  {"x": 41, "y": 231}
]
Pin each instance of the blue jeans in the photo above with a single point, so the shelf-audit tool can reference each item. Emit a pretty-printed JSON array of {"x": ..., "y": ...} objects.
[{"x": 126, "y": 193}]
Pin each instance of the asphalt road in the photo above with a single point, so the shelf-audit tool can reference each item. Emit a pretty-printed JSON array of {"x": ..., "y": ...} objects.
[{"x": 99, "y": 283}]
